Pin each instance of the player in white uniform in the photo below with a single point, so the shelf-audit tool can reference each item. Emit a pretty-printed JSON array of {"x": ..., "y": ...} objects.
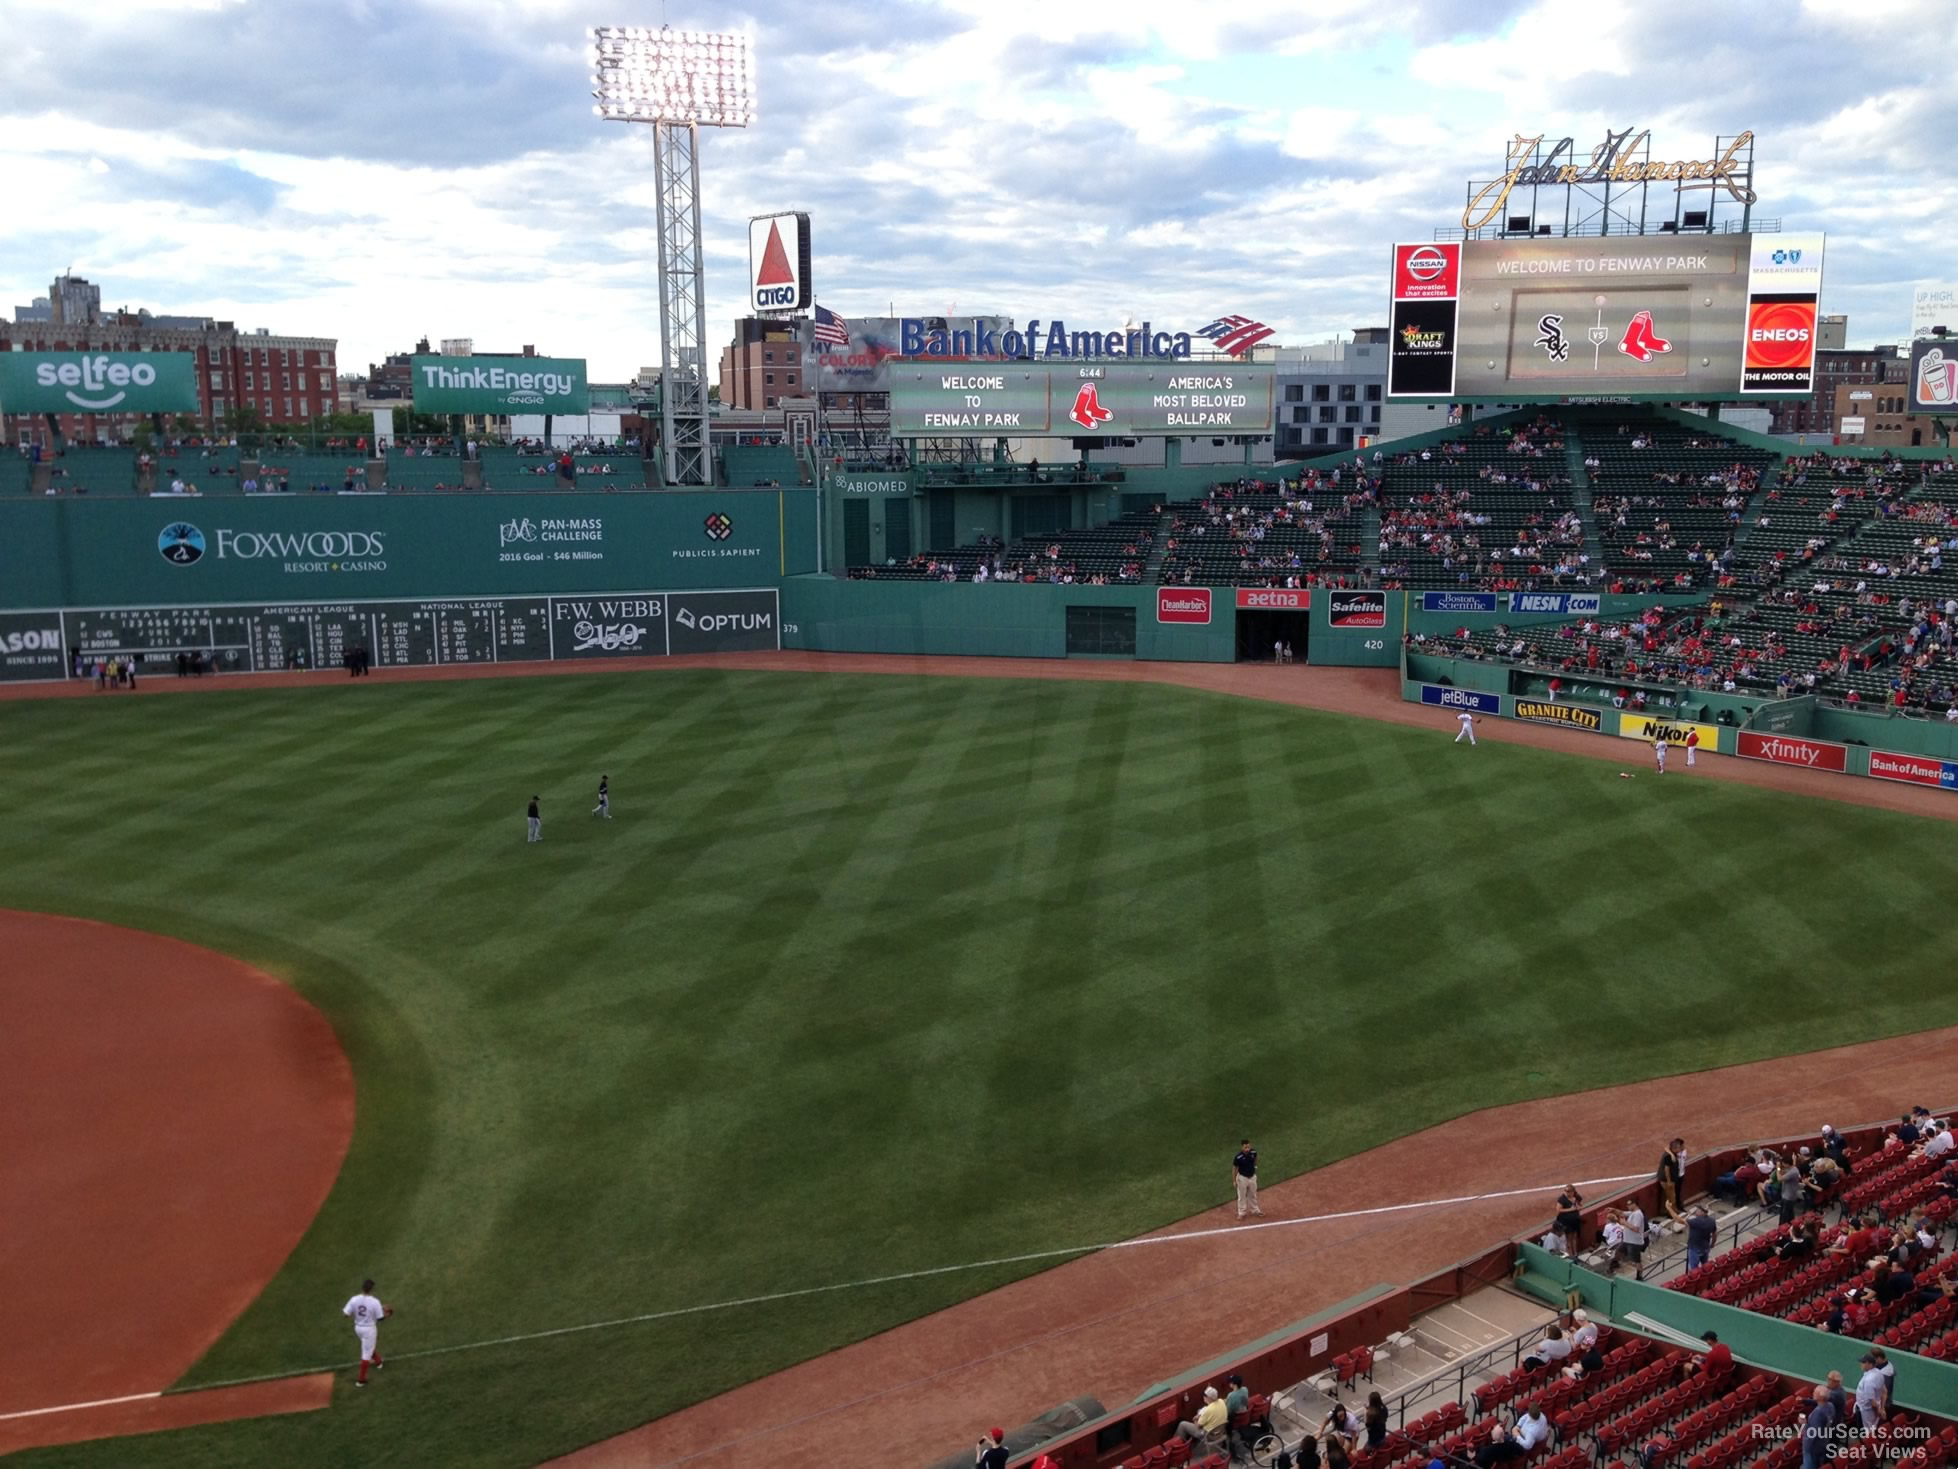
[
  {"x": 1467, "y": 731},
  {"x": 367, "y": 1313},
  {"x": 1659, "y": 752}
]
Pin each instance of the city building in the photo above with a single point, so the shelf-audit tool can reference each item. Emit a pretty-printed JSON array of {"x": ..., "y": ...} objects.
[
  {"x": 762, "y": 365},
  {"x": 1834, "y": 368},
  {"x": 1878, "y": 414},
  {"x": 1331, "y": 395},
  {"x": 285, "y": 379},
  {"x": 1832, "y": 334}
]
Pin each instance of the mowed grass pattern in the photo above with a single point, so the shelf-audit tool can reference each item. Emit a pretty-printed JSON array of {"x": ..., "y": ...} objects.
[{"x": 877, "y": 974}]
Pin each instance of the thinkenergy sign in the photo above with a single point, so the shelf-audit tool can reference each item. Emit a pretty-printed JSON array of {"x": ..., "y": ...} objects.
[{"x": 500, "y": 385}]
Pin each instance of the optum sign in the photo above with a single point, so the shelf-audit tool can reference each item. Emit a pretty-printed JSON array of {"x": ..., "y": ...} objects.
[{"x": 98, "y": 382}]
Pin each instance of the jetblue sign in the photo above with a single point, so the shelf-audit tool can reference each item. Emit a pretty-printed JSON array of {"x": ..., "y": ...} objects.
[
  {"x": 1458, "y": 601},
  {"x": 919, "y": 338},
  {"x": 1470, "y": 699},
  {"x": 1560, "y": 604}
]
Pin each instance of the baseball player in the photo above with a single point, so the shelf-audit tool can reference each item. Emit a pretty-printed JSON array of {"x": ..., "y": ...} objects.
[
  {"x": 1467, "y": 730},
  {"x": 536, "y": 822},
  {"x": 1692, "y": 744},
  {"x": 367, "y": 1313},
  {"x": 604, "y": 806},
  {"x": 1659, "y": 752}
]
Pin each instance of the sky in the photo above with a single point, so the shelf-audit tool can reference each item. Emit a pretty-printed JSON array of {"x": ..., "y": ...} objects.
[{"x": 383, "y": 170}]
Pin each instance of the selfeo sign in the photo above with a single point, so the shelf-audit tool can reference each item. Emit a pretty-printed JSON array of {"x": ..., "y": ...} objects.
[{"x": 98, "y": 382}]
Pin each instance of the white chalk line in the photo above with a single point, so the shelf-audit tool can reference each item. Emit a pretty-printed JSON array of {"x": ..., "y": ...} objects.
[
  {"x": 135, "y": 1397},
  {"x": 774, "y": 1297}
]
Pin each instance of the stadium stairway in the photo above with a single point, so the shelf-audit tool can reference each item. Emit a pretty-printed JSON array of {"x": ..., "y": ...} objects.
[{"x": 1580, "y": 490}]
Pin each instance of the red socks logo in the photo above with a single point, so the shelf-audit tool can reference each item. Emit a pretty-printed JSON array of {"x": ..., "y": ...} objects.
[
  {"x": 1087, "y": 410},
  {"x": 1639, "y": 341}
]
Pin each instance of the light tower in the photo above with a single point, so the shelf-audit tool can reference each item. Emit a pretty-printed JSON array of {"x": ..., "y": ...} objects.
[{"x": 680, "y": 82}]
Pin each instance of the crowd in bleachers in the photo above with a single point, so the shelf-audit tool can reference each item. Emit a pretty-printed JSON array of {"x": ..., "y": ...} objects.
[{"x": 1255, "y": 532}]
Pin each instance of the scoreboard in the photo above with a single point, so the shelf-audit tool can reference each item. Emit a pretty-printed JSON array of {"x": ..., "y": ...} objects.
[
  {"x": 1076, "y": 400},
  {"x": 264, "y": 638}
]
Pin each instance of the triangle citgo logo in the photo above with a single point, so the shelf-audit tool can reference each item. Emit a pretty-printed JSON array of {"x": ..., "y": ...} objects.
[{"x": 775, "y": 269}]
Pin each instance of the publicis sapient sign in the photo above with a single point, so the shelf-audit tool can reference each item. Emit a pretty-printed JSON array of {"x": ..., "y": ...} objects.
[
  {"x": 500, "y": 385},
  {"x": 98, "y": 382},
  {"x": 917, "y": 338},
  {"x": 1611, "y": 162}
]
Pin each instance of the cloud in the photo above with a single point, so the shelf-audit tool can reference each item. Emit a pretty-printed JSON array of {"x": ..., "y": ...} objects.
[{"x": 377, "y": 171}]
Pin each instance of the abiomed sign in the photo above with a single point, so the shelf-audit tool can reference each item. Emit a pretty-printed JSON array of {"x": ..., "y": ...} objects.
[
  {"x": 501, "y": 385},
  {"x": 98, "y": 382}
]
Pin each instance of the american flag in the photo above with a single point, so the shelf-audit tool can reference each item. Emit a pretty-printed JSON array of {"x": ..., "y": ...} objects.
[
  {"x": 831, "y": 328},
  {"x": 1236, "y": 335}
]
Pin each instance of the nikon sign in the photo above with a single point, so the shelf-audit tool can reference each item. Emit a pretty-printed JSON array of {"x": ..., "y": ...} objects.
[
  {"x": 501, "y": 385},
  {"x": 98, "y": 382}
]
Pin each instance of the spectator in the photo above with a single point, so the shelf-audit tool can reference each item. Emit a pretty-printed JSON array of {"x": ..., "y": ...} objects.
[
  {"x": 1818, "y": 1431},
  {"x": 1340, "y": 1428},
  {"x": 1376, "y": 1421},
  {"x": 1838, "y": 1399},
  {"x": 1939, "y": 1143},
  {"x": 1635, "y": 1235},
  {"x": 1552, "y": 1351},
  {"x": 1584, "y": 1341},
  {"x": 1716, "y": 1364},
  {"x": 1869, "y": 1394},
  {"x": 1210, "y": 1419},
  {"x": 1568, "y": 1226},
  {"x": 1889, "y": 1370},
  {"x": 1498, "y": 1448},
  {"x": 991, "y": 1453},
  {"x": 1614, "y": 1241},
  {"x": 1700, "y": 1230},
  {"x": 1532, "y": 1429},
  {"x": 1791, "y": 1189},
  {"x": 1672, "y": 1180}
]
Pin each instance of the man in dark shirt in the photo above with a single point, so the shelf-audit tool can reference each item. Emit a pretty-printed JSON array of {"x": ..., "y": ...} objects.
[
  {"x": 1244, "y": 1176},
  {"x": 1700, "y": 1230},
  {"x": 991, "y": 1453},
  {"x": 1672, "y": 1179},
  {"x": 536, "y": 822}
]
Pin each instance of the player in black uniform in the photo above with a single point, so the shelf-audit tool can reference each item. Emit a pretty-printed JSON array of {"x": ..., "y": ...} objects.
[{"x": 604, "y": 806}]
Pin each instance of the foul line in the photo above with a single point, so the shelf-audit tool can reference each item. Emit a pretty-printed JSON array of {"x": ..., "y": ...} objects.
[
  {"x": 135, "y": 1397},
  {"x": 817, "y": 1290}
]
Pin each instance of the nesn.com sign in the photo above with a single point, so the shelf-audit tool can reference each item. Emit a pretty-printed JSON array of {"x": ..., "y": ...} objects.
[
  {"x": 1562, "y": 604},
  {"x": 1449, "y": 698}
]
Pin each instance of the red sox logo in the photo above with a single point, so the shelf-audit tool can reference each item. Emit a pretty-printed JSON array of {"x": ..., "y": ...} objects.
[{"x": 1087, "y": 410}]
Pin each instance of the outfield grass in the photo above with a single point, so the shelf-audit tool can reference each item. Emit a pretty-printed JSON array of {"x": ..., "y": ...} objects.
[{"x": 875, "y": 974}]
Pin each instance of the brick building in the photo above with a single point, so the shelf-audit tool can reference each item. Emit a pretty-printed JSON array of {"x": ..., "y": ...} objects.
[
  {"x": 287, "y": 379},
  {"x": 762, "y": 365},
  {"x": 1849, "y": 367}
]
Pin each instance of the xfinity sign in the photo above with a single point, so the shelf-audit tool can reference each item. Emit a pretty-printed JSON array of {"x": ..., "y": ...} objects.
[{"x": 98, "y": 382}]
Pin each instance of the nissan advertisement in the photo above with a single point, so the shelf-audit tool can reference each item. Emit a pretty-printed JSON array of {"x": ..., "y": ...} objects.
[{"x": 1646, "y": 317}]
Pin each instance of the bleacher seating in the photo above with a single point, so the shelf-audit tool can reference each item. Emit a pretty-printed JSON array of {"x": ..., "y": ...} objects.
[{"x": 1266, "y": 533}]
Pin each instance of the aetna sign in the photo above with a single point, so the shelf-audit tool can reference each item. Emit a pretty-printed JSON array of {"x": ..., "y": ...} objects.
[
  {"x": 1274, "y": 599},
  {"x": 1785, "y": 750},
  {"x": 1183, "y": 604}
]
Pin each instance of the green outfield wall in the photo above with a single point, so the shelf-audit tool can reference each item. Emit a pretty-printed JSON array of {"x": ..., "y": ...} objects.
[
  {"x": 824, "y": 614},
  {"x": 75, "y": 551}
]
